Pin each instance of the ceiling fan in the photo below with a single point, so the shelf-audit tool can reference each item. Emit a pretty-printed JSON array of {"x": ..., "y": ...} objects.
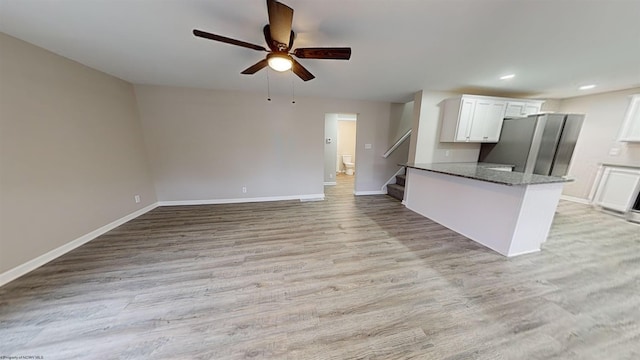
[{"x": 279, "y": 38}]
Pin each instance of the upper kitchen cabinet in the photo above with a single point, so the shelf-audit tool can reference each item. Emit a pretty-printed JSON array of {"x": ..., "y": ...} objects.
[
  {"x": 520, "y": 108},
  {"x": 630, "y": 130},
  {"x": 471, "y": 118},
  {"x": 478, "y": 119}
]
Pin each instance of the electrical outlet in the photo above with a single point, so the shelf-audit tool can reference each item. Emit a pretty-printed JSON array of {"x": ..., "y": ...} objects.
[
  {"x": 330, "y": 176},
  {"x": 446, "y": 153},
  {"x": 244, "y": 189},
  {"x": 136, "y": 199}
]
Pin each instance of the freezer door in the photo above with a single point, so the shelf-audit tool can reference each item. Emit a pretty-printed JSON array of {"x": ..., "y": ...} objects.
[
  {"x": 513, "y": 146},
  {"x": 567, "y": 144},
  {"x": 549, "y": 143}
]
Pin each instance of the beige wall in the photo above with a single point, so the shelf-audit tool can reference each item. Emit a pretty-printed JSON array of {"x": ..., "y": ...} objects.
[
  {"x": 73, "y": 152},
  {"x": 206, "y": 144},
  {"x": 401, "y": 120},
  {"x": 346, "y": 141},
  {"x": 604, "y": 116},
  {"x": 72, "y": 156}
]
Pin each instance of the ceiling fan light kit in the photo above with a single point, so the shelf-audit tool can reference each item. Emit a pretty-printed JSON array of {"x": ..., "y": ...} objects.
[
  {"x": 279, "y": 38},
  {"x": 279, "y": 62}
]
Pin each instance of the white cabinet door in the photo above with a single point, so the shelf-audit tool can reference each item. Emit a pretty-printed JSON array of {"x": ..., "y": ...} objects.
[
  {"x": 531, "y": 108},
  {"x": 617, "y": 188},
  {"x": 522, "y": 108},
  {"x": 515, "y": 109},
  {"x": 467, "y": 107},
  {"x": 487, "y": 120},
  {"x": 631, "y": 126}
]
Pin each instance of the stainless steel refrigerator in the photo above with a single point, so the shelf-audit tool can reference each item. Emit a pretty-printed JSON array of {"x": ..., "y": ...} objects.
[{"x": 539, "y": 144}]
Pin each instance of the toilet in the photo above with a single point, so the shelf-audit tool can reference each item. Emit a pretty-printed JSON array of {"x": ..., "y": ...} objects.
[{"x": 348, "y": 165}]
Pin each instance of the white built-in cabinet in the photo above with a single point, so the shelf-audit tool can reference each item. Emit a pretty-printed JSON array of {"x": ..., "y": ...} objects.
[
  {"x": 474, "y": 118},
  {"x": 616, "y": 188},
  {"x": 630, "y": 130},
  {"x": 519, "y": 108}
]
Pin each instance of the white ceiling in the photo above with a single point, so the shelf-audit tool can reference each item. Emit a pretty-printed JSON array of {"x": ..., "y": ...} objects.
[{"x": 399, "y": 46}]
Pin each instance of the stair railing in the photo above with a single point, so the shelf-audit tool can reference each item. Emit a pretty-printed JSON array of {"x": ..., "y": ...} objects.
[{"x": 397, "y": 144}]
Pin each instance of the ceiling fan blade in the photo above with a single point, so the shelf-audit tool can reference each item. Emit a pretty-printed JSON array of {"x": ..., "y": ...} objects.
[
  {"x": 299, "y": 70},
  {"x": 255, "y": 67},
  {"x": 280, "y": 20},
  {"x": 323, "y": 53},
  {"x": 227, "y": 40}
]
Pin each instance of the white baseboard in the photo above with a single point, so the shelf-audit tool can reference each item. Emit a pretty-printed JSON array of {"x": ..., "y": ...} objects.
[
  {"x": 314, "y": 198},
  {"x": 330, "y": 183},
  {"x": 33, "y": 264},
  {"x": 374, "y": 192},
  {"x": 308, "y": 197},
  {"x": 524, "y": 253},
  {"x": 575, "y": 199}
]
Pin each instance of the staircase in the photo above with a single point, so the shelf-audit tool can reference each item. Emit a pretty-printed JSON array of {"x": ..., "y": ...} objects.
[{"x": 397, "y": 190}]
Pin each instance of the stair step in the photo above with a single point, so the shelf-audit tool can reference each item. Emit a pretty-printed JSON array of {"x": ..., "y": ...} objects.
[
  {"x": 395, "y": 191},
  {"x": 400, "y": 179}
]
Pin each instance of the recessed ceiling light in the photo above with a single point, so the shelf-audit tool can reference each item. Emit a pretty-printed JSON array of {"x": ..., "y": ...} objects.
[
  {"x": 507, "y": 77},
  {"x": 586, "y": 87}
]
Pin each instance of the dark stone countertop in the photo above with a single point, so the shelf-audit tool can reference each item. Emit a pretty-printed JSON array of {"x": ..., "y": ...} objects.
[{"x": 484, "y": 172}]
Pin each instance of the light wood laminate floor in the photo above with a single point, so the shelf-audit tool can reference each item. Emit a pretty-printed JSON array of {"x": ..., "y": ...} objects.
[{"x": 345, "y": 278}]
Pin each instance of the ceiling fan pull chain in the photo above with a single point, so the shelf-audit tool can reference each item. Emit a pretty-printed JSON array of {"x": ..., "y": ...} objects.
[
  {"x": 293, "y": 91},
  {"x": 268, "y": 88}
]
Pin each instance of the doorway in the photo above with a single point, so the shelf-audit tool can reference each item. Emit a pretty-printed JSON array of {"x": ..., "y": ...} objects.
[{"x": 340, "y": 147}]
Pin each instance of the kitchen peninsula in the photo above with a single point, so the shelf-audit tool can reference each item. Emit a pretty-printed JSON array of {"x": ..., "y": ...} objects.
[{"x": 509, "y": 212}]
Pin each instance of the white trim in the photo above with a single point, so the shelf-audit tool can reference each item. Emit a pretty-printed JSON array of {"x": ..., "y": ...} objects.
[
  {"x": 575, "y": 199},
  {"x": 33, "y": 264},
  {"x": 242, "y": 200},
  {"x": 632, "y": 114},
  {"x": 313, "y": 199},
  {"x": 347, "y": 117},
  {"x": 633, "y": 217},
  {"x": 596, "y": 183},
  {"x": 330, "y": 183},
  {"x": 375, "y": 192},
  {"x": 392, "y": 178},
  {"x": 319, "y": 198},
  {"x": 524, "y": 252}
]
